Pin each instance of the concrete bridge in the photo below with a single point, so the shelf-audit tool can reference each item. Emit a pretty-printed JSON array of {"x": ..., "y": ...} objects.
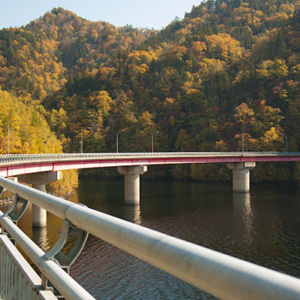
[
  {"x": 218, "y": 274},
  {"x": 41, "y": 169},
  {"x": 132, "y": 165}
]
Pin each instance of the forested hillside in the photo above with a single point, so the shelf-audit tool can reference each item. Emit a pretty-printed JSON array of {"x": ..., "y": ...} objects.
[{"x": 227, "y": 76}]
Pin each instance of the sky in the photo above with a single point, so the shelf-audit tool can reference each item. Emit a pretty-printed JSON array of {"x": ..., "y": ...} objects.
[{"x": 155, "y": 14}]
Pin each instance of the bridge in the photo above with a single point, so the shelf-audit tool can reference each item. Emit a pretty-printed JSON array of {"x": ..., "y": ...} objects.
[
  {"x": 221, "y": 275},
  {"x": 40, "y": 169}
]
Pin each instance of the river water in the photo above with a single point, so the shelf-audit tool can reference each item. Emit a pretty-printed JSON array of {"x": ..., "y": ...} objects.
[{"x": 262, "y": 227}]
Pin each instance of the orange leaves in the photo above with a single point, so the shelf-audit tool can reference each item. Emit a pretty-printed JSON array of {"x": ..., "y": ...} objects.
[{"x": 199, "y": 48}]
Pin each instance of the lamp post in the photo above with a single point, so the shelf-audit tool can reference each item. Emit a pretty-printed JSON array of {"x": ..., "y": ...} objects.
[
  {"x": 117, "y": 141},
  {"x": 152, "y": 140},
  {"x": 45, "y": 142},
  {"x": 243, "y": 142},
  {"x": 117, "y": 145},
  {"x": 18, "y": 120},
  {"x": 286, "y": 143},
  {"x": 81, "y": 142}
]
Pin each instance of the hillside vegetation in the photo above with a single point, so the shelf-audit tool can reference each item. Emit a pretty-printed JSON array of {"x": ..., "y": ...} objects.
[{"x": 225, "y": 78}]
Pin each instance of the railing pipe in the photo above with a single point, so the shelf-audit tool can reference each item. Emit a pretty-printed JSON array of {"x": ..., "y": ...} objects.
[
  {"x": 72, "y": 156},
  {"x": 65, "y": 284},
  {"x": 216, "y": 273}
]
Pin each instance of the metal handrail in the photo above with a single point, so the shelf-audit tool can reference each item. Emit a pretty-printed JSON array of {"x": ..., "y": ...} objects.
[
  {"x": 216, "y": 273},
  {"x": 65, "y": 284},
  {"x": 82, "y": 156}
]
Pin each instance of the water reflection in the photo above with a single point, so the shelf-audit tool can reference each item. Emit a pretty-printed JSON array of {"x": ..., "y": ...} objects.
[
  {"x": 39, "y": 235},
  {"x": 242, "y": 203},
  {"x": 133, "y": 213},
  {"x": 244, "y": 215}
]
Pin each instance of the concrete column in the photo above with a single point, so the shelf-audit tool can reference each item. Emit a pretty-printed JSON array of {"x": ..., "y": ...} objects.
[
  {"x": 132, "y": 182},
  {"x": 39, "y": 181},
  {"x": 241, "y": 176},
  {"x": 39, "y": 215}
]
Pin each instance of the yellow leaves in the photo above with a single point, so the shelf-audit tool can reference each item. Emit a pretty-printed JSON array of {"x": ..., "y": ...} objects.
[
  {"x": 281, "y": 70},
  {"x": 143, "y": 68},
  {"x": 94, "y": 34},
  {"x": 130, "y": 117},
  {"x": 248, "y": 15},
  {"x": 102, "y": 101},
  {"x": 221, "y": 146},
  {"x": 26, "y": 135},
  {"x": 138, "y": 62},
  {"x": 213, "y": 65},
  {"x": 105, "y": 72},
  {"x": 177, "y": 52},
  {"x": 169, "y": 102},
  {"x": 287, "y": 8},
  {"x": 244, "y": 116},
  {"x": 26, "y": 50},
  {"x": 68, "y": 183},
  {"x": 2, "y": 60},
  {"x": 223, "y": 46},
  {"x": 199, "y": 48},
  {"x": 243, "y": 112},
  {"x": 269, "y": 69},
  {"x": 146, "y": 121},
  {"x": 271, "y": 137},
  {"x": 142, "y": 57}
]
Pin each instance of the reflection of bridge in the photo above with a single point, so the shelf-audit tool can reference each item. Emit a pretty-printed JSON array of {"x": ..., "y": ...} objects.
[{"x": 221, "y": 275}]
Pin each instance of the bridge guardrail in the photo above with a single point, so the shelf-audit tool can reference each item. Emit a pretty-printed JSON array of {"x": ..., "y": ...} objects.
[
  {"x": 65, "y": 284},
  {"x": 18, "y": 270},
  {"x": 80, "y": 156},
  {"x": 221, "y": 275}
]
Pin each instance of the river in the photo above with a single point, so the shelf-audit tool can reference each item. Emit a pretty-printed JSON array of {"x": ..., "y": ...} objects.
[{"x": 262, "y": 227}]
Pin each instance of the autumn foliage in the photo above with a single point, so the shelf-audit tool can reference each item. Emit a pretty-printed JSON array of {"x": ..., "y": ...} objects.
[{"x": 225, "y": 78}]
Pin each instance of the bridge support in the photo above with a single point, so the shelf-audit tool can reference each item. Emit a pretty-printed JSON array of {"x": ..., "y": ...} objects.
[
  {"x": 132, "y": 182},
  {"x": 241, "y": 176},
  {"x": 39, "y": 181}
]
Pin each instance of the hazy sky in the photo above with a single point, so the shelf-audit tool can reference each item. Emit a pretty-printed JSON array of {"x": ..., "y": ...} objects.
[{"x": 138, "y": 13}]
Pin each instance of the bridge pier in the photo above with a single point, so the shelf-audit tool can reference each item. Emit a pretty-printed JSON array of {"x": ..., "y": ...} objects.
[
  {"x": 241, "y": 176},
  {"x": 39, "y": 181},
  {"x": 132, "y": 182}
]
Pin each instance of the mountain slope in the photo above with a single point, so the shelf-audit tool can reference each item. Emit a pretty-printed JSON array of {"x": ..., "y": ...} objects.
[{"x": 226, "y": 75}]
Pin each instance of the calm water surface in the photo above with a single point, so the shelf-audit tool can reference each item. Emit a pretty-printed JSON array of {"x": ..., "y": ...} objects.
[{"x": 262, "y": 227}]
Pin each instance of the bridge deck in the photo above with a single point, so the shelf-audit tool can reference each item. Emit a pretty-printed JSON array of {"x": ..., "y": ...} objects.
[{"x": 12, "y": 165}]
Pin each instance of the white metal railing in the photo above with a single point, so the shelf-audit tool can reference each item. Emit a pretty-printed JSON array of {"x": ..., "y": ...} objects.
[
  {"x": 17, "y": 278},
  {"x": 221, "y": 275},
  {"x": 67, "y": 286},
  {"x": 12, "y": 158}
]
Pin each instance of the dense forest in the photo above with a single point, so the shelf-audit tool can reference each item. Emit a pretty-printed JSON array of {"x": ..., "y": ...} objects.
[{"x": 225, "y": 78}]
